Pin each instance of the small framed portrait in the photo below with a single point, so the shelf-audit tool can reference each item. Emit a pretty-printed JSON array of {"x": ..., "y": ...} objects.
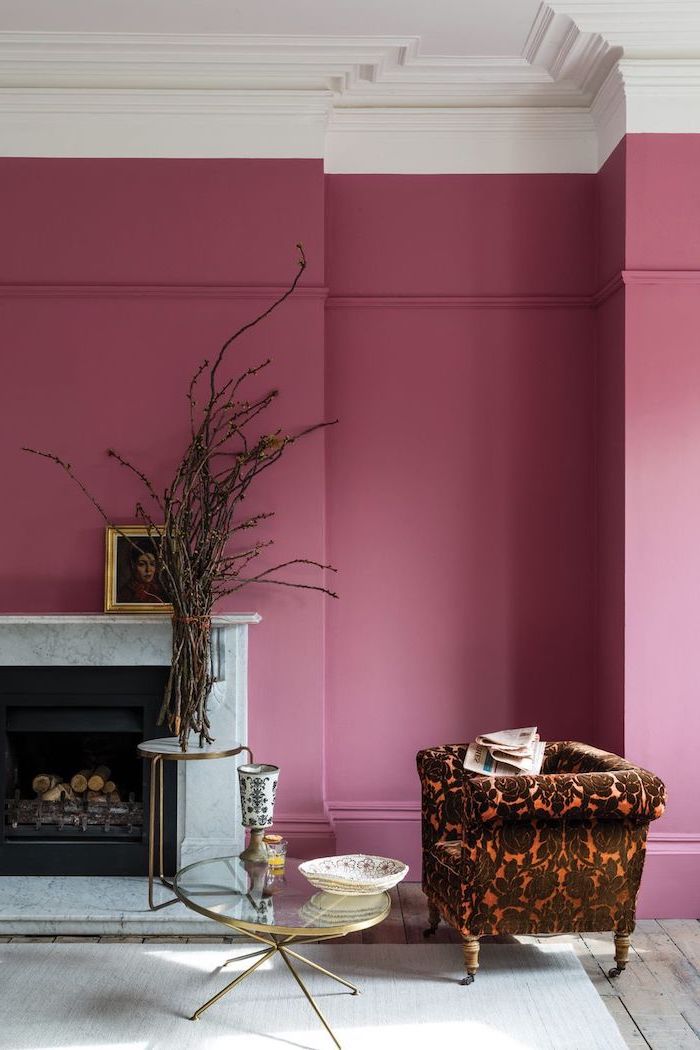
[{"x": 132, "y": 570}]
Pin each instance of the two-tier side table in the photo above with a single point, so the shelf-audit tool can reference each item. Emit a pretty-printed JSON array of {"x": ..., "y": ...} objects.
[{"x": 167, "y": 749}]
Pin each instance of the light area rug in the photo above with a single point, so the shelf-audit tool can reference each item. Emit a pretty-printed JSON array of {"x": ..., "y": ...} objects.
[{"x": 56, "y": 996}]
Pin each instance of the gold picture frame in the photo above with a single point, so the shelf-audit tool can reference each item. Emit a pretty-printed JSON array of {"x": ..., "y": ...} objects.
[{"x": 131, "y": 570}]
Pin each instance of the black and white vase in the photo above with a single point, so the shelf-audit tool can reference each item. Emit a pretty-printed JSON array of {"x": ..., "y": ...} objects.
[{"x": 258, "y": 784}]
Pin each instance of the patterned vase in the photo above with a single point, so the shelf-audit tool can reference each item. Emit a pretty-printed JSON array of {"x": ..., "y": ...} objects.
[{"x": 258, "y": 784}]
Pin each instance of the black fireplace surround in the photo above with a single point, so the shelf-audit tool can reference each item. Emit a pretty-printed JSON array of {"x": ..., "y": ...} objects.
[{"x": 64, "y": 719}]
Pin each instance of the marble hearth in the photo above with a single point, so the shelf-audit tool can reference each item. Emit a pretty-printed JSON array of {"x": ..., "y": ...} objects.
[{"x": 208, "y": 818}]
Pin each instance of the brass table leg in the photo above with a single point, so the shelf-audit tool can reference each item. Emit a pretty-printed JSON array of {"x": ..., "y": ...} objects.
[
  {"x": 279, "y": 946},
  {"x": 301, "y": 958},
  {"x": 240, "y": 958},
  {"x": 156, "y": 780},
  {"x": 237, "y": 980},
  {"x": 308, "y": 995}
]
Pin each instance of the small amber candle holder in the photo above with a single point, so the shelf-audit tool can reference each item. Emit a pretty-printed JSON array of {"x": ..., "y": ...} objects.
[{"x": 276, "y": 852}]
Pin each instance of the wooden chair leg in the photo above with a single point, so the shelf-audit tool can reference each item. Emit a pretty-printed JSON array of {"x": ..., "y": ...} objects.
[
  {"x": 622, "y": 950},
  {"x": 433, "y": 920},
  {"x": 470, "y": 949}
]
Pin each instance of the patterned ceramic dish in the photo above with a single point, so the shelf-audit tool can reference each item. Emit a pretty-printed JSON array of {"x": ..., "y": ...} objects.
[{"x": 354, "y": 874}]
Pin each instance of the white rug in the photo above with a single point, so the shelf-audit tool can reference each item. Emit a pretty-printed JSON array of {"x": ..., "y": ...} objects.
[{"x": 56, "y": 996}]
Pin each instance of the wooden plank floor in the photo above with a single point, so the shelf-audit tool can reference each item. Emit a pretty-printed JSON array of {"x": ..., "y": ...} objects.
[{"x": 656, "y": 1002}]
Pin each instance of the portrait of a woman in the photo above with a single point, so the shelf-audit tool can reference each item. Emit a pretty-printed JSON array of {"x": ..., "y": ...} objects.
[
  {"x": 133, "y": 570},
  {"x": 142, "y": 585}
]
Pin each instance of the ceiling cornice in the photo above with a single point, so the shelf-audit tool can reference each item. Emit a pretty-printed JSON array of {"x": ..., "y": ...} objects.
[
  {"x": 644, "y": 26},
  {"x": 586, "y": 74}
]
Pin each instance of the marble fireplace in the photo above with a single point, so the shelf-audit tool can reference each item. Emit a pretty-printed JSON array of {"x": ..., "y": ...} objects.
[{"x": 206, "y": 818}]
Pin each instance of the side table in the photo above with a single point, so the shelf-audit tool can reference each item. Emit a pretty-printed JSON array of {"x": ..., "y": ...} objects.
[{"x": 167, "y": 749}]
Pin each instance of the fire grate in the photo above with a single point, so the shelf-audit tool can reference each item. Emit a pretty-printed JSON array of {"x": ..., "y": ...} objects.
[{"x": 37, "y": 818}]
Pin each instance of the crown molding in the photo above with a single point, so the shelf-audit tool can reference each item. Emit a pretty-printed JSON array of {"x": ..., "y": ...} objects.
[
  {"x": 56, "y": 122},
  {"x": 609, "y": 113},
  {"x": 339, "y": 64},
  {"x": 662, "y": 95},
  {"x": 642, "y": 26},
  {"x": 570, "y": 56},
  {"x": 454, "y": 141},
  {"x": 589, "y": 71},
  {"x": 166, "y": 95}
]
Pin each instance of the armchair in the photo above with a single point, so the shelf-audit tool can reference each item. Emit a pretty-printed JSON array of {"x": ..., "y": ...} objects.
[{"x": 559, "y": 852}]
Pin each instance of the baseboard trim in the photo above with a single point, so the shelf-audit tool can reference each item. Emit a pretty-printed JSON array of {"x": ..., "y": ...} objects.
[
  {"x": 523, "y": 301},
  {"x": 303, "y": 822},
  {"x": 372, "y": 811},
  {"x": 671, "y": 842},
  {"x": 308, "y": 834},
  {"x": 114, "y": 290},
  {"x": 661, "y": 276},
  {"x": 610, "y": 288}
]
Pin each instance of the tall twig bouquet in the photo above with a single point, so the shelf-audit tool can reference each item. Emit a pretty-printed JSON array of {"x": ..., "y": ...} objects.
[{"x": 199, "y": 512}]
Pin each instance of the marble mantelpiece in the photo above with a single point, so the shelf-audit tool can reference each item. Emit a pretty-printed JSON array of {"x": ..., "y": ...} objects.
[{"x": 208, "y": 802}]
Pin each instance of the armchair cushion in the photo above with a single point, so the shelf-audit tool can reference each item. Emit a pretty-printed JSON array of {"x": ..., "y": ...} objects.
[{"x": 627, "y": 794}]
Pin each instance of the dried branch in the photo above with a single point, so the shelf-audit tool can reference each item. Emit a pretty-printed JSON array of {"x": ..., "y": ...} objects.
[
  {"x": 69, "y": 471},
  {"x": 199, "y": 508},
  {"x": 139, "y": 474}
]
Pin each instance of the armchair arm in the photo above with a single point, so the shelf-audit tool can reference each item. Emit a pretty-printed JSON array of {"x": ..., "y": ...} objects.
[
  {"x": 625, "y": 794},
  {"x": 442, "y": 792}
]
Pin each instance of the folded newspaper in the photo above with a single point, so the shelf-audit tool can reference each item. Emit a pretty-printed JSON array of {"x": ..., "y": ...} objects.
[{"x": 506, "y": 752}]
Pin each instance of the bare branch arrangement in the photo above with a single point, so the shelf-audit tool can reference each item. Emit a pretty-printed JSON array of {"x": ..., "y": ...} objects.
[{"x": 199, "y": 514}]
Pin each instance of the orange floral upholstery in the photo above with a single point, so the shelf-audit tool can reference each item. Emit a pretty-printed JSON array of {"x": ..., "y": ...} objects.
[{"x": 558, "y": 852}]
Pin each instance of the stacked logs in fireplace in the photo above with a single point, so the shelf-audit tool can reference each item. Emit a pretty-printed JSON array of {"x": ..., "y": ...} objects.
[
  {"x": 90, "y": 801},
  {"x": 96, "y": 783}
]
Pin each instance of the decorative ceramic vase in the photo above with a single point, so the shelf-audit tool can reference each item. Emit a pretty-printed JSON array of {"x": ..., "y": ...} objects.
[{"x": 258, "y": 785}]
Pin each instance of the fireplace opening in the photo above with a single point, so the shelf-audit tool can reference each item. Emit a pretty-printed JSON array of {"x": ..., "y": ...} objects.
[
  {"x": 49, "y": 778},
  {"x": 75, "y": 791}
]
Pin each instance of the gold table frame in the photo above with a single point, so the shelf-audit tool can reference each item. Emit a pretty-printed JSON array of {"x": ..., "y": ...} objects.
[
  {"x": 167, "y": 749},
  {"x": 277, "y": 940}
]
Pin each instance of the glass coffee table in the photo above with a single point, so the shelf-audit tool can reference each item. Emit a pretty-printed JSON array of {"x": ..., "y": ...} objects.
[{"x": 278, "y": 908}]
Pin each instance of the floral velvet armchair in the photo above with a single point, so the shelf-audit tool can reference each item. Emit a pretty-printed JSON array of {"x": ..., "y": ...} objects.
[{"x": 559, "y": 852}]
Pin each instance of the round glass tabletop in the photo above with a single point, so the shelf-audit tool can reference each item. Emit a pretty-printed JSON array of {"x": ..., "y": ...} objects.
[{"x": 263, "y": 899}]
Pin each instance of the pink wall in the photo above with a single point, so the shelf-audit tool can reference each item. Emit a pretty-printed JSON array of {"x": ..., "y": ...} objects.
[
  {"x": 663, "y": 202},
  {"x": 610, "y": 452},
  {"x": 662, "y": 656},
  {"x": 662, "y": 501},
  {"x": 491, "y": 426},
  {"x": 611, "y": 217},
  {"x": 460, "y": 482},
  {"x": 88, "y": 370},
  {"x": 460, "y": 518}
]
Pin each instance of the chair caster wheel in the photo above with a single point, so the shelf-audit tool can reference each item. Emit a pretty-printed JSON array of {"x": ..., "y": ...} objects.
[
  {"x": 616, "y": 971},
  {"x": 469, "y": 979},
  {"x": 430, "y": 932}
]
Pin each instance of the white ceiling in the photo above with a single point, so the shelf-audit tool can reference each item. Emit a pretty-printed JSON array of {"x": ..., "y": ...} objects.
[
  {"x": 368, "y": 85},
  {"x": 446, "y": 27}
]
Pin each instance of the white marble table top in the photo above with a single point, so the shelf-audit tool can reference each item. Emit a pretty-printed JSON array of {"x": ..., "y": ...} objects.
[{"x": 169, "y": 747}]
